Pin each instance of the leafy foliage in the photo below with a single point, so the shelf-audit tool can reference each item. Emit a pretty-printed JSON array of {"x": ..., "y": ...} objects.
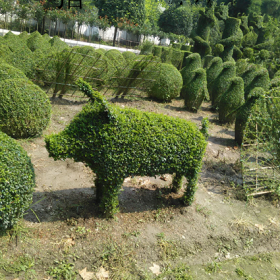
[
  {"x": 231, "y": 100},
  {"x": 166, "y": 54},
  {"x": 117, "y": 143},
  {"x": 25, "y": 109},
  {"x": 9, "y": 72},
  {"x": 17, "y": 181},
  {"x": 168, "y": 83},
  {"x": 196, "y": 90}
]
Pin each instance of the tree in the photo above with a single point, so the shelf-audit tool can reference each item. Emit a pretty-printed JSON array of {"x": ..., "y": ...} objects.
[
  {"x": 176, "y": 20},
  {"x": 132, "y": 10},
  {"x": 6, "y": 7}
]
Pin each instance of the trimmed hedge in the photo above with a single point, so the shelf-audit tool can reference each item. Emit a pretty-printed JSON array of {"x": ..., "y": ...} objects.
[
  {"x": 222, "y": 83},
  {"x": 168, "y": 83},
  {"x": 166, "y": 55},
  {"x": 244, "y": 112},
  {"x": 128, "y": 56},
  {"x": 58, "y": 44},
  {"x": 177, "y": 58},
  {"x": 196, "y": 90},
  {"x": 241, "y": 67},
  {"x": 17, "y": 182},
  {"x": 177, "y": 46},
  {"x": 25, "y": 109},
  {"x": 36, "y": 41},
  {"x": 219, "y": 48},
  {"x": 213, "y": 71},
  {"x": 249, "y": 53},
  {"x": 7, "y": 71},
  {"x": 186, "y": 48},
  {"x": 157, "y": 51},
  {"x": 116, "y": 143},
  {"x": 231, "y": 100},
  {"x": 147, "y": 47},
  {"x": 192, "y": 62}
]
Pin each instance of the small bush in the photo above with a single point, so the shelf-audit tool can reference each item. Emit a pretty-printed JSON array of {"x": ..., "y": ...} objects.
[
  {"x": 231, "y": 100},
  {"x": 185, "y": 55},
  {"x": 222, "y": 82},
  {"x": 25, "y": 109},
  {"x": 196, "y": 90},
  {"x": 157, "y": 51},
  {"x": 36, "y": 41},
  {"x": 9, "y": 72},
  {"x": 186, "y": 48},
  {"x": 177, "y": 46},
  {"x": 17, "y": 182},
  {"x": 57, "y": 44},
  {"x": 237, "y": 53},
  {"x": 192, "y": 62},
  {"x": 248, "y": 53},
  {"x": 13, "y": 41},
  {"x": 117, "y": 143},
  {"x": 241, "y": 66},
  {"x": 147, "y": 47},
  {"x": 166, "y": 55},
  {"x": 167, "y": 85},
  {"x": 264, "y": 54},
  {"x": 213, "y": 71}
]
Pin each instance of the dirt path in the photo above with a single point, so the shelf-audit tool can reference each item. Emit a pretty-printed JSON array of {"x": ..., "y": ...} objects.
[{"x": 220, "y": 236}]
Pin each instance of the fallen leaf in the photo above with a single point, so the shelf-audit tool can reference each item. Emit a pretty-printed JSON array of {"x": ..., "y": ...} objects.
[
  {"x": 227, "y": 148},
  {"x": 102, "y": 274},
  {"x": 86, "y": 275},
  {"x": 273, "y": 221},
  {"x": 163, "y": 178},
  {"x": 260, "y": 227},
  {"x": 69, "y": 242},
  {"x": 235, "y": 148},
  {"x": 155, "y": 269}
]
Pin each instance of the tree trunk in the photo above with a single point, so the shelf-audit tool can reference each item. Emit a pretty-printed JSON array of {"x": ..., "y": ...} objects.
[
  {"x": 55, "y": 28},
  {"x": 115, "y": 35},
  {"x": 43, "y": 25},
  {"x": 50, "y": 27}
]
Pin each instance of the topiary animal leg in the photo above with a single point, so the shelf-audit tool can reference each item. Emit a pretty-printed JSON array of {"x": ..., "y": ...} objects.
[
  {"x": 98, "y": 184},
  {"x": 192, "y": 177},
  {"x": 177, "y": 182},
  {"x": 109, "y": 197}
]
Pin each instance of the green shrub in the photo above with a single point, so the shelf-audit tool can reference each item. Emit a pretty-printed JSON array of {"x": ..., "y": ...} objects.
[
  {"x": 201, "y": 34},
  {"x": 231, "y": 100},
  {"x": 207, "y": 60},
  {"x": 17, "y": 182},
  {"x": 177, "y": 46},
  {"x": 128, "y": 56},
  {"x": 157, "y": 51},
  {"x": 116, "y": 143},
  {"x": 214, "y": 69},
  {"x": 58, "y": 44},
  {"x": 23, "y": 59},
  {"x": 147, "y": 47},
  {"x": 275, "y": 82},
  {"x": 186, "y": 48},
  {"x": 13, "y": 41},
  {"x": 196, "y": 90},
  {"x": 9, "y": 72},
  {"x": 250, "y": 39},
  {"x": 219, "y": 48},
  {"x": 232, "y": 36},
  {"x": 222, "y": 83},
  {"x": 4, "y": 52},
  {"x": 244, "y": 112},
  {"x": 259, "y": 78},
  {"x": 192, "y": 62},
  {"x": 23, "y": 36},
  {"x": 166, "y": 55},
  {"x": 248, "y": 53},
  {"x": 116, "y": 59},
  {"x": 177, "y": 58},
  {"x": 264, "y": 54},
  {"x": 100, "y": 51},
  {"x": 168, "y": 83},
  {"x": 237, "y": 53},
  {"x": 25, "y": 109},
  {"x": 249, "y": 74},
  {"x": 185, "y": 55},
  {"x": 37, "y": 41},
  {"x": 241, "y": 67}
]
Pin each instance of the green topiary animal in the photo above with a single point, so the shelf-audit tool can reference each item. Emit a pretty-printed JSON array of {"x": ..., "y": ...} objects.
[
  {"x": 166, "y": 55},
  {"x": 25, "y": 109},
  {"x": 201, "y": 34},
  {"x": 232, "y": 36},
  {"x": 192, "y": 62},
  {"x": 196, "y": 91},
  {"x": 259, "y": 78},
  {"x": 244, "y": 112},
  {"x": 116, "y": 143},
  {"x": 168, "y": 83},
  {"x": 177, "y": 58},
  {"x": 231, "y": 100},
  {"x": 222, "y": 82},
  {"x": 250, "y": 39},
  {"x": 249, "y": 53},
  {"x": 17, "y": 182},
  {"x": 213, "y": 71}
]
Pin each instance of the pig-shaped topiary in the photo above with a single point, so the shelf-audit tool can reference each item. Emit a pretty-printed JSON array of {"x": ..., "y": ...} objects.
[{"x": 116, "y": 143}]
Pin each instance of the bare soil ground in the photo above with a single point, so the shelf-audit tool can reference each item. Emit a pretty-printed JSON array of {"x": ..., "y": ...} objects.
[{"x": 220, "y": 236}]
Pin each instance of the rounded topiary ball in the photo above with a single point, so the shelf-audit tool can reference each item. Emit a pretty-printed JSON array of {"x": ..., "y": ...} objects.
[
  {"x": 168, "y": 83},
  {"x": 7, "y": 71},
  {"x": 25, "y": 109},
  {"x": 17, "y": 181}
]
